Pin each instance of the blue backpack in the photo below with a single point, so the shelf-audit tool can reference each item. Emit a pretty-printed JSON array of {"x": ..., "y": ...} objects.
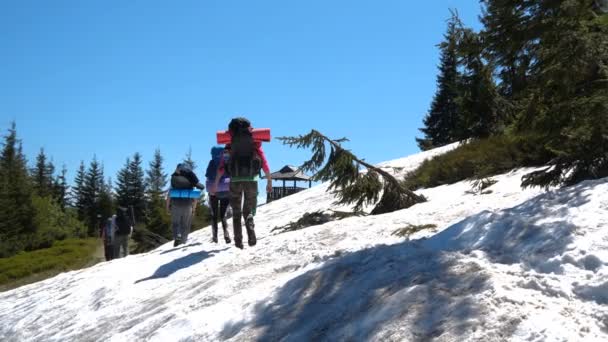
[{"x": 217, "y": 153}]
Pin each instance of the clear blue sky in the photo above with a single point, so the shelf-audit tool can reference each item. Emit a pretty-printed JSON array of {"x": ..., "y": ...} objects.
[{"x": 111, "y": 78}]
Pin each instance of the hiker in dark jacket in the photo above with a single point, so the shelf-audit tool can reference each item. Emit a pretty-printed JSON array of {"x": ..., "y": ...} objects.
[
  {"x": 246, "y": 160},
  {"x": 124, "y": 228},
  {"x": 182, "y": 209},
  {"x": 218, "y": 201}
]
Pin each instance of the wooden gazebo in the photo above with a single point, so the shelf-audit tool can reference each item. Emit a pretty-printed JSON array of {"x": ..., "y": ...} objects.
[{"x": 286, "y": 174}]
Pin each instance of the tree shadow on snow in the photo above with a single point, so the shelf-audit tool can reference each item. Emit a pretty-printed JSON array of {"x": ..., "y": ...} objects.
[
  {"x": 353, "y": 296},
  {"x": 415, "y": 290},
  {"x": 530, "y": 233},
  {"x": 175, "y": 265}
]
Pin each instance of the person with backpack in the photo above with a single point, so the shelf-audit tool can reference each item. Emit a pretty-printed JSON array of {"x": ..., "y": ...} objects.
[
  {"x": 219, "y": 201},
  {"x": 124, "y": 228},
  {"x": 182, "y": 209},
  {"x": 107, "y": 234},
  {"x": 246, "y": 160}
]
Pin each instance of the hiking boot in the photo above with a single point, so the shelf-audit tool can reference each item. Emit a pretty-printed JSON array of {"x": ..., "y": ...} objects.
[
  {"x": 177, "y": 242},
  {"x": 214, "y": 231},
  {"x": 238, "y": 244},
  {"x": 225, "y": 228},
  {"x": 250, "y": 225}
]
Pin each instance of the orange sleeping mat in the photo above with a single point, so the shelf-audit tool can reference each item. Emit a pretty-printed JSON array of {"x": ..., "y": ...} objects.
[{"x": 259, "y": 135}]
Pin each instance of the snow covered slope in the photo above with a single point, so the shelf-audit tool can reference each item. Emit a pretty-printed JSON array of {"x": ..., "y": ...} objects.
[{"x": 512, "y": 265}]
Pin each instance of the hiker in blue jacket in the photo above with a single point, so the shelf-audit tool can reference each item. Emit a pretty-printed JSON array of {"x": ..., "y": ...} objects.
[{"x": 220, "y": 200}]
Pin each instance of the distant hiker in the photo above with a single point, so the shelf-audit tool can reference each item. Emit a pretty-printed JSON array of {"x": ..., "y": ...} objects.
[
  {"x": 182, "y": 208},
  {"x": 124, "y": 228},
  {"x": 246, "y": 160},
  {"x": 218, "y": 201},
  {"x": 107, "y": 233}
]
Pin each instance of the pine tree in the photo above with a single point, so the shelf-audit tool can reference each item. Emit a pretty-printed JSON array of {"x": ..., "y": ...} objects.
[
  {"x": 131, "y": 189},
  {"x": 189, "y": 161},
  {"x": 61, "y": 189},
  {"x": 481, "y": 106},
  {"x": 342, "y": 170},
  {"x": 78, "y": 191},
  {"x": 158, "y": 219},
  {"x": 16, "y": 209},
  {"x": 138, "y": 188},
  {"x": 510, "y": 37},
  {"x": 568, "y": 101},
  {"x": 156, "y": 177},
  {"x": 441, "y": 121},
  {"x": 106, "y": 200},
  {"x": 92, "y": 187},
  {"x": 42, "y": 175}
]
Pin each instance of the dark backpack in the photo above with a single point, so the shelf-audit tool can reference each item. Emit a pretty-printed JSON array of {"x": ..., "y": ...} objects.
[
  {"x": 243, "y": 162},
  {"x": 123, "y": 226},
  {"x": 184, "y": 178},
  {"x": 180, "y": 182}
]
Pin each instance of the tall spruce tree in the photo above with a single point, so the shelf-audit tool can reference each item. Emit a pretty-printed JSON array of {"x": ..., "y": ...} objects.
[
  {"x": 189, "y": 161},
  {"x": 92, "y": 187},
  {"x": 342, "y": 170},
  {"x": 78, "y": 191},
  {"x": 441, "y": 122},
  {"x": 481, "y": 106},
  {"x": 510, "y": 37},
  {"x": 61, "y": 188},
  {"x": 16, "y": 209},
  {"x": 156, "y": 177},
  {"x": 158, "y": 218},
  {"x": 568, "y": 101},
  {"x": 43, "y": 175},
  {"x": 131, "y": 187},
  {"x": 106, "y": 200}
]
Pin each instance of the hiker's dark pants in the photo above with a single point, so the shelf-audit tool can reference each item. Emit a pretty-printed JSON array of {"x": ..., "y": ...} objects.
[
  {"x": 121, "y": 242},
  {"x": 237, "y": 190},
  {"x": 218, "y": 206},
  {"x": 181, "y": 218},
  {"x": 108, "y": 251}
]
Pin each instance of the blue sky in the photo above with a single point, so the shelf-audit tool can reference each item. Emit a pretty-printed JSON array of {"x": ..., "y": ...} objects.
[{"x": 111, "y": 78}]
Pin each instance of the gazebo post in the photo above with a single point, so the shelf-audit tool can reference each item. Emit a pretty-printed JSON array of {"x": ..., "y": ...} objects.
[
  {"x": 283, "y": 194},
  {"x": 294, "y": 185},
  {"x": 309, "y": 184}
]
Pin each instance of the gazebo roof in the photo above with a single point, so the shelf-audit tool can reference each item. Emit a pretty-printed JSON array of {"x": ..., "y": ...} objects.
[{"x": 290, "y": 172}]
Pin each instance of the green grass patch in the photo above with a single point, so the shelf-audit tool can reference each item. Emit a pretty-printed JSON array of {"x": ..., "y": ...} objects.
[
  {"x": 28, "y": 267},
  {"x": 411, "y": 229},
  {"x": 479, "y": 159}
]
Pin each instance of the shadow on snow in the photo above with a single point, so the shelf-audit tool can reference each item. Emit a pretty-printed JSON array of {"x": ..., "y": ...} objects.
[
  {"x": 175, "y": 265},
  {"x": 416, "y": 290}
]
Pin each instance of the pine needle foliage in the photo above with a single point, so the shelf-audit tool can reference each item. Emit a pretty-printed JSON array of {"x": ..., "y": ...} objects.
[{"x": 332, "y": 163}]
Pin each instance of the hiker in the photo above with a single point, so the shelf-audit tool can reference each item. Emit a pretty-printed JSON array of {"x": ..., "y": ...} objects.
[
  {"x": 219, "y": 201},
  {"x": 124, "y": 228},
  {"x": 246, "y": 160},
  {"x": 182, "y": 209},
  {"x": 107, "y": 234}
]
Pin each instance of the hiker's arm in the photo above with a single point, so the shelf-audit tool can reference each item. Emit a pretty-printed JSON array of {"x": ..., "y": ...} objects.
[
  {"x": 268, "y": 181},
  {"x": 265, "y": 168},
  {"x": 168, "y": 202}
]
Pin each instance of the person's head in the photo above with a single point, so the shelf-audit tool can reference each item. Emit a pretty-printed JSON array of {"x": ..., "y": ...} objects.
[
  {"x": 239, "y": 124},
  {"x": 121, "y": 211},
  {"x": 217, "y": 151},
  {"x": 182, "y": 167}
]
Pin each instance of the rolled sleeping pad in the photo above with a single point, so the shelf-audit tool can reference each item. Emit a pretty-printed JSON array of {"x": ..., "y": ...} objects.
[
  {"x": 259, "y": 135},
  {"x": 185, "y": 193}
]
